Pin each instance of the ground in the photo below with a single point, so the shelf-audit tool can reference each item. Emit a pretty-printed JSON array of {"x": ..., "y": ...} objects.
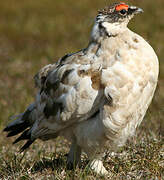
[{"x": 35, "y": 33}]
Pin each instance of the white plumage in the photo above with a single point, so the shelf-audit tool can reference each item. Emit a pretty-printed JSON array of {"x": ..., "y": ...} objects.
[{"x": 96, "y": 97}]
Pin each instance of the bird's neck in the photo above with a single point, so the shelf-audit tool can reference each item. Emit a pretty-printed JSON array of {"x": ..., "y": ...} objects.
[{"x": 103, "y": 30}]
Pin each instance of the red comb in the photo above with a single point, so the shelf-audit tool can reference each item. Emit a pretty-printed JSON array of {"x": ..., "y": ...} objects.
[{"x": 121, "y": 6}]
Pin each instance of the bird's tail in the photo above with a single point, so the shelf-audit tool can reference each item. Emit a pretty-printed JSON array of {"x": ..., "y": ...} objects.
[{"x": 22, "y": 123}]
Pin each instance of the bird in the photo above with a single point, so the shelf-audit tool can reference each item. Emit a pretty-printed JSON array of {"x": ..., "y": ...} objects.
[{"x": 96, "y": 97}]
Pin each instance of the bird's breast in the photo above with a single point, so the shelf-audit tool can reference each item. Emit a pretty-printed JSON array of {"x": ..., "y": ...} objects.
[{"x": 129, "y": 76}]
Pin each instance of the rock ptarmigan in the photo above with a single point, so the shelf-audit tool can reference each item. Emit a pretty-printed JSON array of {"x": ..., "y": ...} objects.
[{"x": 96, "y": 97}]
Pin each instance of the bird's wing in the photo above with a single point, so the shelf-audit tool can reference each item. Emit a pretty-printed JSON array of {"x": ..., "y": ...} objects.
[{"x": 69, "y": 92}]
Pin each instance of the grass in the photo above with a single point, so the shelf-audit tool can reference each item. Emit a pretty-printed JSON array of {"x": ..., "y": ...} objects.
[{"x": 35, "y": 33}]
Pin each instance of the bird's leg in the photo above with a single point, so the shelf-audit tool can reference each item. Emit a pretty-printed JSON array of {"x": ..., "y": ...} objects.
[
  {"x": 96, "y": 165},
  {"x": 74, "y": 156}
]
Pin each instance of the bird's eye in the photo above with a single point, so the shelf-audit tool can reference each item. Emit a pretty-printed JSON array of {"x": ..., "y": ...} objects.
[{"x": 123, "y": 11}]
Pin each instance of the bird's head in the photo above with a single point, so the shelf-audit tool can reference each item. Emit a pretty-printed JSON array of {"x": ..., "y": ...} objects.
[
  {"x": 118, "y": 13},
  {"x": 115, "y": 18}
]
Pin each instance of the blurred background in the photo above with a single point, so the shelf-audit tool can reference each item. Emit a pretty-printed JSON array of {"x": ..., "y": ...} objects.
[{"x": 36, "y": 33}]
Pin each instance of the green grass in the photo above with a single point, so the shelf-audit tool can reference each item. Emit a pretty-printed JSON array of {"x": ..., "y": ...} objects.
[{"x": 35, "y": 33}]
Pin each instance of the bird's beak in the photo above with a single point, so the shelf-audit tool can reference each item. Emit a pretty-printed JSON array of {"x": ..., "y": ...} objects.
[{"x": 134, "y": 10}]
